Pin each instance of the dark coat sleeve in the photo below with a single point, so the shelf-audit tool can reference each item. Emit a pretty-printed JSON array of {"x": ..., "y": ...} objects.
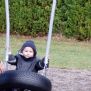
[
  {"x": 39, "y": 64},
  {"x": 12, "y": 59}
]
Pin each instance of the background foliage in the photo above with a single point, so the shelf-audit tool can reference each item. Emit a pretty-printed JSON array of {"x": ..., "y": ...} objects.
[{"x": 31, "y": 17}]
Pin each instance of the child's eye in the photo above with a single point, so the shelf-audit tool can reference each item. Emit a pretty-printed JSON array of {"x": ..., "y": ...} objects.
[
  {"x": 30, "y": 51},
  {"x": 26, "y": 51}
]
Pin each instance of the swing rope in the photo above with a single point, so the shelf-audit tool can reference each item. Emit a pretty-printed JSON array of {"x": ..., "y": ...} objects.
[
  {"x": 7, "y": 33},
  {"x": 50, "y": 34}
]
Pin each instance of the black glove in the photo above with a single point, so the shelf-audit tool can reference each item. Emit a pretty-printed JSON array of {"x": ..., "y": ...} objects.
[
  {"x": 43, "y": 62},
  {"x": 11, "y": 57}
]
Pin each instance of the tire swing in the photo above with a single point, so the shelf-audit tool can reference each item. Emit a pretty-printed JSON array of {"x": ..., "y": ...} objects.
[
  {"x": 21, "y": 79},
  {"x": 24, "y": 80}
]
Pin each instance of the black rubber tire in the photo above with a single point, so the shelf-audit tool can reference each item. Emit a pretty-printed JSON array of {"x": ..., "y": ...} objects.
[{"x": 24, "y": 80}]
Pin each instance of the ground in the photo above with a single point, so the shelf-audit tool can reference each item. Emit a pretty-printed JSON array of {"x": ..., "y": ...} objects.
[{"x": 69, "y": 79}]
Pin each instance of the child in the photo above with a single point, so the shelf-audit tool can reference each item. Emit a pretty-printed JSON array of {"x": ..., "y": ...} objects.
[{"x": 26, "y": 59}]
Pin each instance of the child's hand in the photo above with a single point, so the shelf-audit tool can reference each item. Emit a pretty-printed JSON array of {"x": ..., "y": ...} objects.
[
  {"x": 1, "y": 67},
  {"x": 43, "y": 62},
  {"x": 11, "y": 57}
]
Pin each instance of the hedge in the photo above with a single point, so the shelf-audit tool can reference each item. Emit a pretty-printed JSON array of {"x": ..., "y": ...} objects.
[{"x": 31, "y": 17}]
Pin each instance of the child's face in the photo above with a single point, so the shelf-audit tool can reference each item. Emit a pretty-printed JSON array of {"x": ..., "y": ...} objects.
[{"x": 28, "y": 52}]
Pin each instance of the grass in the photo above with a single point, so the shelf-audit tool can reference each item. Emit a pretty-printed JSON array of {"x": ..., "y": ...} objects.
[
  {"x": 63, "y": 54},
  {"x": 72, "y": 55}
]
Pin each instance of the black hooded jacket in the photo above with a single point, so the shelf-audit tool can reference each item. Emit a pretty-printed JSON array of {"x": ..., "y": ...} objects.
[
  {"x": 32, "y": 64},
  {"x": 26, "y": 64}
]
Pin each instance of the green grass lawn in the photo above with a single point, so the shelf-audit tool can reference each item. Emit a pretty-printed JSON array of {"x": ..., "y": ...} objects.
[{"x": 63, "y": 54}]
